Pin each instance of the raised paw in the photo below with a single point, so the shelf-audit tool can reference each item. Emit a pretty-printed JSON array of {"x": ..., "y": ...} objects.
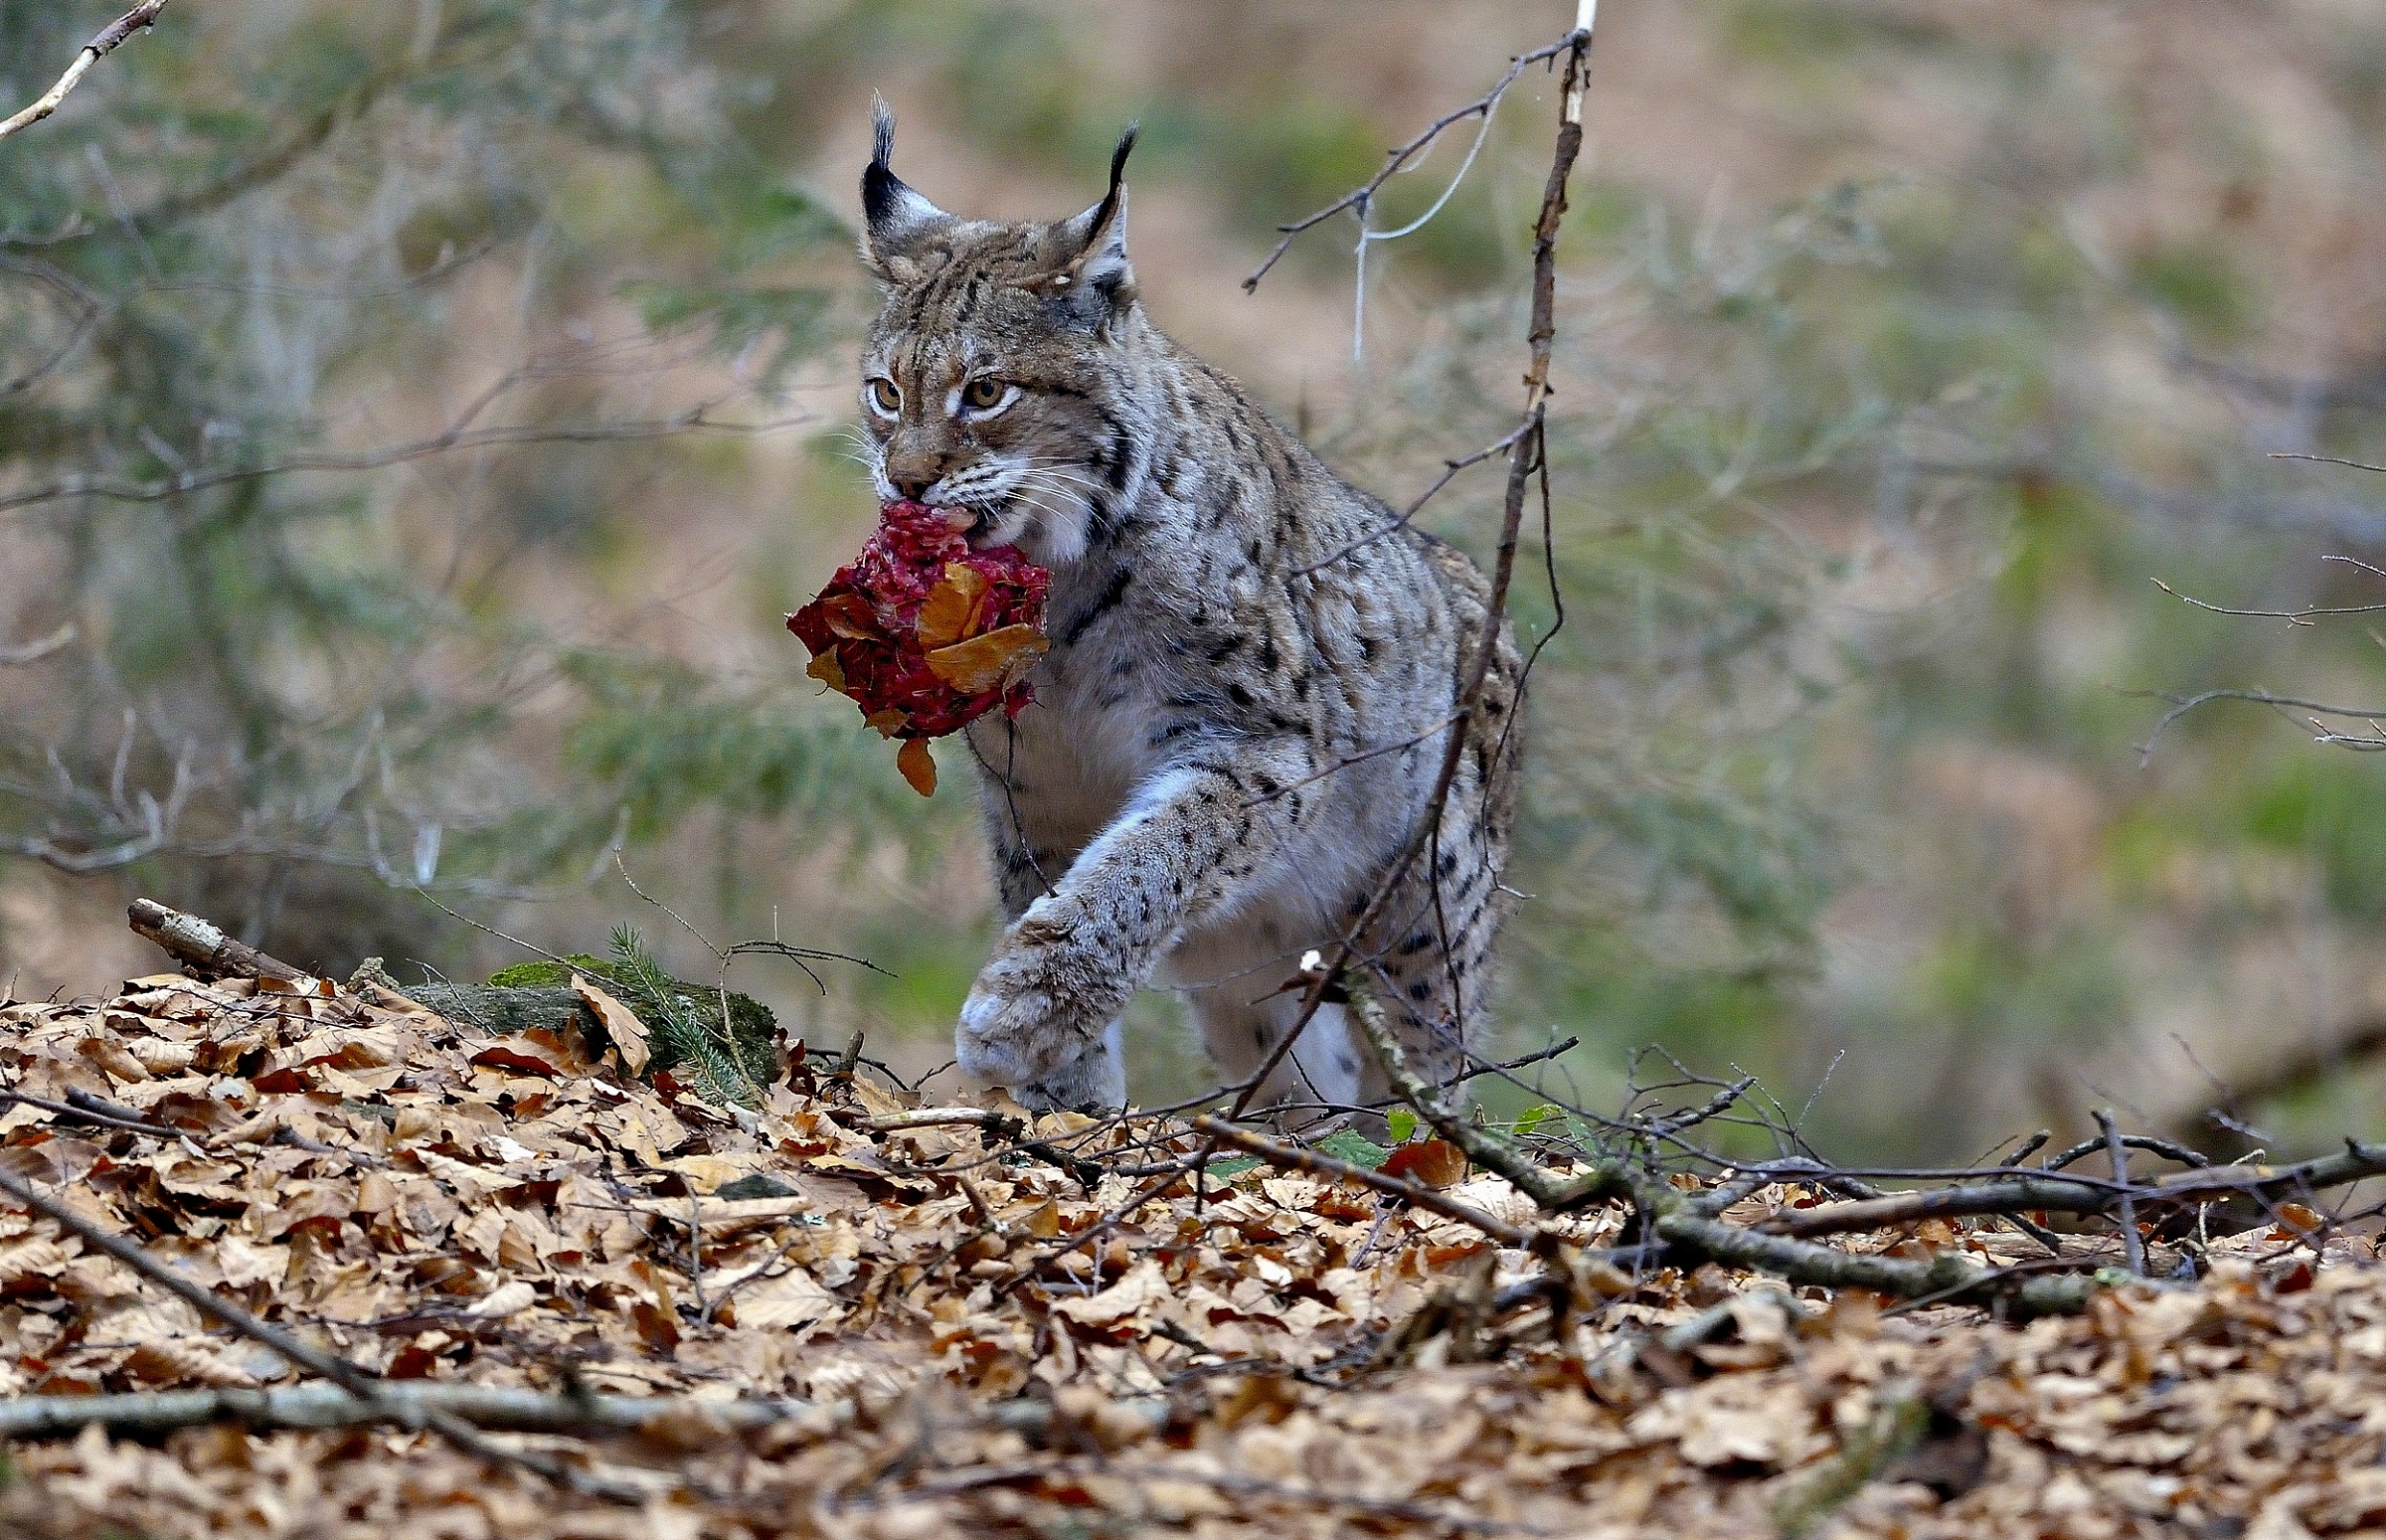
[{"x": 1038, "y": 1019}]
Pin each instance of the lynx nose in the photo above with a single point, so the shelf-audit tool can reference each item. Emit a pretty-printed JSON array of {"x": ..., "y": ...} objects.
[{"x": 912, "y": 468}]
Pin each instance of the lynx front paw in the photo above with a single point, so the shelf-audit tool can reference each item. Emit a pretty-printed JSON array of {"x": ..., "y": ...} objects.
[{"x": 1038, "y": 1020}]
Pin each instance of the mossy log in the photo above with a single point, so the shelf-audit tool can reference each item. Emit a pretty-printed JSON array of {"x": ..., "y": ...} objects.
[{"x": 540, "y": 994}]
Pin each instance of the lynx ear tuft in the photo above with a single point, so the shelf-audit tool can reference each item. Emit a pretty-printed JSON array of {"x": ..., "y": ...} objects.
[
  {"x": 894, "y": 217},
  {"x": 1099, "y": 238}
]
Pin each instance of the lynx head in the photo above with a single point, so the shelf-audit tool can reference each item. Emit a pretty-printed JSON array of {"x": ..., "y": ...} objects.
[{"x": 992, "y": 377}]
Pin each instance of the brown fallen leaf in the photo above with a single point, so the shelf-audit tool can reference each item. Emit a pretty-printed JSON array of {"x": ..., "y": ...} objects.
[
  {"x": 1435, "y": 1162},
  {"x": 620, "y": 1023}
]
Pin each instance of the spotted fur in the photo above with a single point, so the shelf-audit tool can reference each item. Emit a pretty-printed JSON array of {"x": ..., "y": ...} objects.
[{"x": 1235, "y": 734}]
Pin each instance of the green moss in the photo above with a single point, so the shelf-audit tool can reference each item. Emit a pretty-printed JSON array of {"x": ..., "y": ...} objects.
[{"x": 751, "y": 1026}]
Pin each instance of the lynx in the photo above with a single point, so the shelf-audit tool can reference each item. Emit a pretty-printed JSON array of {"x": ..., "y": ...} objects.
[{"x": 1252, "y": 670}]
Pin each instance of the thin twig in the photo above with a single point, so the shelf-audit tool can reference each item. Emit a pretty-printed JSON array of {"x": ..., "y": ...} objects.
[
  {"x": 2330, "y": 459},
  {"x": 1449, "y": 473},
  {"x": 139, "y": 19},
  {"x": 2133, "y": 1244},
  {"x": 2180, "y": 705},
  {"x": 95, "y": 1115},
  {"x": 1364, "y": 193}
]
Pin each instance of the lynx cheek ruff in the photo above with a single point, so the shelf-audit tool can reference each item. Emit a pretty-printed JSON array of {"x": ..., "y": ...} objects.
[{"x": 924, "y": 633}]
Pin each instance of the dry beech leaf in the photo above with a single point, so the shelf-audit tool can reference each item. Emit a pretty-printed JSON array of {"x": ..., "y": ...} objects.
[
  {"x": 951, "y": 606},
  {"x": 620, "y": 1023},
  {"x": 994, "y": 660},
  {"x": 1435, "y": 1162},
  {"x": 2296, "y": 1219},
  {"x": 918, "y": 764},
  {"x": 119, "y": 1061},
  {"x": 1142, "y": 1287},
  {"x": 507, "y": 1298}
]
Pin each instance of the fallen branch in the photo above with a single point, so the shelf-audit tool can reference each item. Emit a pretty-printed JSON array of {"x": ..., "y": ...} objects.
[
  {"x": 1292, "y": 1159},
  {"x": 202, "y": 946},
  {"x": 139, "y": 19},
  {"x": 97, "y": 1116},
  {"x": 933, "y": 1118},
  {"x": 2126, "y": 1201},
  {"x": 416, "y": 1403},
  {"x": 1697, "y": 1238},
  {"x": 351, "y": 1379},
  {"x": 2037, "y": 1191},
  {"x": 1494, "y": 1153},
  {"x": 1693, "y": 1236}
]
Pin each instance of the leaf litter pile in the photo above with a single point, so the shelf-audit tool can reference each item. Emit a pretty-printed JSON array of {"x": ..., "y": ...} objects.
[{"x": 844, "y": 1314}]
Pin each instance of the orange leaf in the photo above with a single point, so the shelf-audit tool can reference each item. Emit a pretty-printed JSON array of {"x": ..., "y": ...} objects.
[
  {"x": 919, "y": 767},
  {"x": 946, "y": 613},
  {"x": 1435, "y": 1162},
  {"x": 994, "y": 660},
  {"x": 828, "y": 670},
  {"x": 2294, "y": 1216}
]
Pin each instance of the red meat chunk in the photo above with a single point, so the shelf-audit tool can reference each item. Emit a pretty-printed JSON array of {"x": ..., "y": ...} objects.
[{"x": 924, "y": 633}]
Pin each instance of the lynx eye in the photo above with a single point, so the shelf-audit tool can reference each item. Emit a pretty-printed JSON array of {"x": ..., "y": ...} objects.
[
  {"x": 885, "y": 396},
  {"x": 983, "y": 392}
]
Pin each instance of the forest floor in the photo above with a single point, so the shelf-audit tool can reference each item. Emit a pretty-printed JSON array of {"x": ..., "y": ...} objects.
[{"x": 931, "y": 1331}]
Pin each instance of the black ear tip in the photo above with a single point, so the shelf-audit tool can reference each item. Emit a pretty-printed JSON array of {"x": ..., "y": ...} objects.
[
  {"x": 1127, "y": 148},
  {"x": 882, "y": 130}
]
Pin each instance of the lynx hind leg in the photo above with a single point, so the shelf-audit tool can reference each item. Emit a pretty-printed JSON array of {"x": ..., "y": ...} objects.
[
  {"x": 1324, "y": 1066},
  {"x": 1431, "y": 971}
]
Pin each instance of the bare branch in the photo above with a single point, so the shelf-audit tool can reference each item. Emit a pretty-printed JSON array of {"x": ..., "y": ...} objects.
[
  {"x": 1292, "y": 1159},
  {"x": 2330, "y": 459},
  {"x": 2286, "y": 1073},
  {"x": 1449, "y": 473},
  {"x": 2024, "y": 1192},
  {"x": 1395, "y": 160},
  {"x": 1525, "y": 455},
  {"x": 2303, "y": 616},
  {"x": 139, "y": 19},
  {"x": 2180, "y": 705},
  {"x": 457, "y": 437}
]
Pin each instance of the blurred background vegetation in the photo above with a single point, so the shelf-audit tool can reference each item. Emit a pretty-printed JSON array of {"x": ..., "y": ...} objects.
[{"x": 414, "y": 419}]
